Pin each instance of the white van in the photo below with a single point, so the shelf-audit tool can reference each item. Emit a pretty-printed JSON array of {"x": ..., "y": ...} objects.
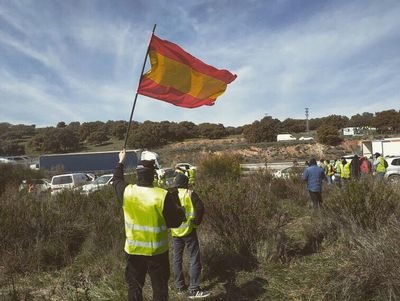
[
  {"x": 285, "y": 137},
  {"x": 68, "y": 181}
]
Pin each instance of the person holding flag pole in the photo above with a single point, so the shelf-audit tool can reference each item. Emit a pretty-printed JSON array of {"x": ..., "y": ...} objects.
[{"x": 182, "y": 80}]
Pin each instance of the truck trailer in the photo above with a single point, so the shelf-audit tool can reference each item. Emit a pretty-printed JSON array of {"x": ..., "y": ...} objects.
[
  {"x": 92, "y": 162},
  {"x": 386, "y": 147}
]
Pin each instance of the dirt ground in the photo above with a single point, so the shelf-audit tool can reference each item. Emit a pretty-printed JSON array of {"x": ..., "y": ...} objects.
[{"x": 192, "y": 150}]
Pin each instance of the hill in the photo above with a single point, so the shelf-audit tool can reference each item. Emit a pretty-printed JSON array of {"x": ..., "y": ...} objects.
[{"x": 193, "y": 150}]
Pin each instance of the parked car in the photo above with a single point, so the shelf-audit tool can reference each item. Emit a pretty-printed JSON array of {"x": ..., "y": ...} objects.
[
  {"x": 68, "y": 181},
  {"x": 97, "y": 184},
  {"x": 7, "y": 161},
  {"x": 24, "y": 160},
  {"x": 35, "y": 185},
  {"x": 288, "y": 172},
  {"x": 165, "y": 176},
  {"x": 393, "y": 169},
  {"x": 306, "y": 138},
  {"x": 184, "y": 166}
]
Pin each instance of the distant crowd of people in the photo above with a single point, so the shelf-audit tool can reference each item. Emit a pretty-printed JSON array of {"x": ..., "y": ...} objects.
[{"x": 339, "y": 172}]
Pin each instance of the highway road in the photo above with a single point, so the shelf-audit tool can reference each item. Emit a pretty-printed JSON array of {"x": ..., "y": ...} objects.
[{"x": 273, "y": 166}]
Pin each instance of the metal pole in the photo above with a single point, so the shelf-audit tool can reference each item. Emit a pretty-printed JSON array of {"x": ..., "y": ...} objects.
[
  {"x": 136, "y": 95},
  {"x": 307, "y": 127}
]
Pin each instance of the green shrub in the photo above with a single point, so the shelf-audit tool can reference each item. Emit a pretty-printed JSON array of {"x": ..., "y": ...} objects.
[
  {"x": 370, "y": 270},
  {"x": 12, "y": 175},
  {"x": 367, "y": 204},
  {"x": 225, "y": 166},
  {"x": 48, "y": 233}
]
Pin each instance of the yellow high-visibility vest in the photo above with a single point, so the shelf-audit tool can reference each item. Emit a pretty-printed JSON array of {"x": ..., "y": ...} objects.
[
  {"x": 345, "y": 171},
  {"x": 145, "y": 226},
  {"x": 338, "y": 168},
  {"x": 380, "y": 167},
  {"x": 186, "y": 201},
  {"x": 192, "y": 176}
]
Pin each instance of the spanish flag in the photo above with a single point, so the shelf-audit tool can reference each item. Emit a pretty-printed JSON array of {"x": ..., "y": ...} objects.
[{"x": 181, "y": 79}]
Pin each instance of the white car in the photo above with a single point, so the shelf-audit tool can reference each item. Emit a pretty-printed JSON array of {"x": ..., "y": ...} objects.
[
  {"x": 393, "y": 169},
  {"x": 68, "y": 181},
  {"x": 306, "y": 138},
  {"x": 7, "y": 161},
  {"x": 37, "y": 185},
  {"x": 184, "y": 166},
  {"x": 288, "y": 172},
  {"x": 97, "y": 184}
]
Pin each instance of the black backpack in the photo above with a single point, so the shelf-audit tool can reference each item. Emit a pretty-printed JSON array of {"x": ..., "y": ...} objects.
[{"x": 385, "y": 163}]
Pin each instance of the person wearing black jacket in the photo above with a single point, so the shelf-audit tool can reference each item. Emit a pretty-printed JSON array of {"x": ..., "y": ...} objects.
[{"x": 148, "y": 212}]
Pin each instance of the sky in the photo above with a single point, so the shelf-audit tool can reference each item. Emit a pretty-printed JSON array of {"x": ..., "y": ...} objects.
[{"x": 81, "y": 60}]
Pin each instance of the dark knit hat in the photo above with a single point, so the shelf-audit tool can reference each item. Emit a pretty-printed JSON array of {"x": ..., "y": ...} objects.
[{"x": 181, "y": 181}]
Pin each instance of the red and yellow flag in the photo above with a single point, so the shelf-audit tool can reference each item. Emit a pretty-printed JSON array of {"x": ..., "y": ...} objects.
[{"x": 181, "y": 79}]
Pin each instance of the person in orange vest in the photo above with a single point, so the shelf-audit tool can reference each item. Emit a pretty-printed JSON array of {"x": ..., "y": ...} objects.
[
  {"x": 31, "y": 188},
  {"x": 148, "y": 212}
]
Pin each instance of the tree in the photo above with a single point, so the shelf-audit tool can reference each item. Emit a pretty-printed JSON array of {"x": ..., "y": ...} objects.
[
  {"x": 97, "y": 137},
  {"x": 61, "y": 124},
  {"x": 363, "y": 120},
  {"x": 11, "y": 148},
  {"x": 387, "y": 121},
  {"x": 212, "y": 130},
  {"x": 264, "y": 130},
  {"x": 146, "y": 135},
  {"x": 328, "y": 134},
  {"x": 54, "y": 140},
  {"x": 290, "y": 125}
]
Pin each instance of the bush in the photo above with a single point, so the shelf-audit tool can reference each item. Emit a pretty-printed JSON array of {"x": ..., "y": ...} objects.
[
  {"x": 370, "y": 270},
  {"x": 48, "y": 233},
  {"x": 224, "y": 166},
  {"x": 367, "y": 204},
  {"x": 12, "y": 175},
  {"x": 328, "y": 134}
]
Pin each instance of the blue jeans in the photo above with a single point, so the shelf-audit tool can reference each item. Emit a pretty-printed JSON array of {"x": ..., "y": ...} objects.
[{"x": 192, "y": 244}]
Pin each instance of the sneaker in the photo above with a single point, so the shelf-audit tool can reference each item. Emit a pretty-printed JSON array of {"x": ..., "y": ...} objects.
[
  {"x": 198, "y": 294},
  {"x": 181, "y": 291}
]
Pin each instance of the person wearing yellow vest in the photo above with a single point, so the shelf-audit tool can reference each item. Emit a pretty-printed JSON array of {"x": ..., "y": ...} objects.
[
  {"x": 379, "y": 166},
  {"x": 148, "y": 212},
  {"x": 345, "y": 172},
  {"x": 338, "y": 171},
  {"x": 186, "y": 236},
  {"x": 329, "y": 171}
]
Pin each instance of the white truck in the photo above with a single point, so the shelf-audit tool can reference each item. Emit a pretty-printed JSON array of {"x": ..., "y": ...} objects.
[
  {"x": 386, "y": 147},
  {"x": 285, "y": 137}
]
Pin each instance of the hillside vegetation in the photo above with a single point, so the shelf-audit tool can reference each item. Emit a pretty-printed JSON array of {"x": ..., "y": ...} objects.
[{"x": 259, "y": 240}]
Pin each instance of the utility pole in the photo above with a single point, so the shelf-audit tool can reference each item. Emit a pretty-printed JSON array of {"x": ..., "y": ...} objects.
[{"x": 307, "y": 127}]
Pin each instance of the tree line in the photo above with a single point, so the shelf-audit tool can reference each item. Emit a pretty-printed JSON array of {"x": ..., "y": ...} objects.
[{"x": 20, "y": 139}]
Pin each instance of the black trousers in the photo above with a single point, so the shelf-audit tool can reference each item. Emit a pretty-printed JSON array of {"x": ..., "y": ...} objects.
[
  {"x": 315, "y": 199},
  {"x": 157, "y": 266}
]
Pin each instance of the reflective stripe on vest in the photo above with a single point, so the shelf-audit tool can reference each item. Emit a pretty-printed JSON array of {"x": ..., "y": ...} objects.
[
  {"x": 345, "y": 171},
  {"x": 186, "y": 201},
  {"x": 145, "y": 226},
  {"x": 380, "y": 167}
]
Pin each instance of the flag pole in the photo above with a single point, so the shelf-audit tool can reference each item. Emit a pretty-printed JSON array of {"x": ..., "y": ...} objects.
[{"x": 136, "y": 95}]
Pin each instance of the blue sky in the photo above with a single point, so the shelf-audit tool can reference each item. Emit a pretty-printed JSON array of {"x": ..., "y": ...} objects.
[{"x": 81, "y": 60}]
